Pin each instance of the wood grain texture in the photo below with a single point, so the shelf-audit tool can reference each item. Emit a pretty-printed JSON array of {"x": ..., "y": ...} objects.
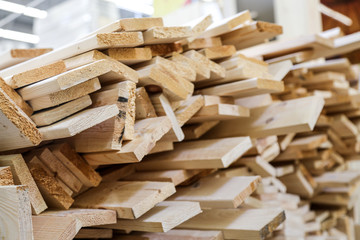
[
  {"x": 53, "y": 227},
  {"x": 162, "y": 218},
  {"x": 22, "y": 176},
  {"x": 217, "y": 153},
  {"x": 243, "y": 224},
  {"x": 76, "y": 164},
  {"x": 220, "y": 192},
  {"x": 298, "y": 115},
  {"x": 15, "y": 213},
  {"x": 6, "y": 177},
  {"x": 129, "y": 199}
]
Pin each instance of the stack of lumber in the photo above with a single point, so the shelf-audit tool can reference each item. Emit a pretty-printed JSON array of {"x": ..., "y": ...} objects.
[{"x": 141, "y": 131}]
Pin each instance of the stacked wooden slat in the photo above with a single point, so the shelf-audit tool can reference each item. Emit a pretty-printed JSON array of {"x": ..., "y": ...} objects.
[{"x": 120, "y": 113}]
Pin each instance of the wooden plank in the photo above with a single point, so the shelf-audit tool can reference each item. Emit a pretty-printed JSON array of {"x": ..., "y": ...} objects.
[
  {"x": 130, "y": 25},
  {"x": 162, "y": 77},
  {"x": 258, "y": 165},
  {"x": 116, "y": 172},
  {"x": 17, "y": 130},
  {"x": 251, "y": 34},
  {"x": 13, "y": 95},
  {"x": 202, "y": 70},
  {"x": 22, "y": 176},
  {"x": 53, "y": 193},
  {"x": 298, "y": 115},
  {"x": 219, "y": 112},
  {"x": 130, "y": 56},
  {"x": 338, "y": 179},
  {"x": 343, "y": 126},
  {"x": 86, "y": 233},
  {"x": 144, "y": 108},
  {"x": 175, "y": 234},
  {"x": 125, "y": 99},
  {"x": 118, "y": 71},
  {"x": 55, "y": 114},
  {"x": 76, "y": 164},
  {"x": 130, "y": 200},
  {"x": 162, "y": 146},
  {"x": 245, "y": 88},
  {"x": 216, "y": 53},
  {"x": 195, "y": 131},
  {"x": 227, "y": 24},
  {"x": 78, "y": 122},
  {"x": 99, "y": 41},
  {"x": 51, "y": 227},
  {"x": 219, "y": 192},
  {"x": 297, "y": 183},
  {"x": 158, "y": 35},
  {"x": 243, "y": 223},
  {"x": 162, "y": 218},
  {"x": 217, "y": 153},
  {"x": 174, "y": 176},
  {"x": 165, "y": 50},
  {"x": 308, "y": 143},
  {"x": 200, "y": 43},
  {"x": 85, "y": 217},
  {"x": 6, "y": 177},
  {"x": 57, "y": 167},
  {"x": 65, "y": 80},
  {"x": 36, "y": 74},
  {"x": 15, "y": 56},
  {"x": 147, "y": 132},
  {"x": 216, "y": 71},
  {"x": 166, "y": 108},
  {"x": 15, "y": 213},
  {"x": 67, "y": 95},
  {"x": 109, "y": 134}
]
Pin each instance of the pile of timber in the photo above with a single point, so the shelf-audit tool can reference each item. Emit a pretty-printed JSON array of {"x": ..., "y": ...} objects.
[{"x": 141, "y": 131}]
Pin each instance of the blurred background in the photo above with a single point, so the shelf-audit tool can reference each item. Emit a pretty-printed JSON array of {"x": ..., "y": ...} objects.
[{"x": 53, "y": 23}]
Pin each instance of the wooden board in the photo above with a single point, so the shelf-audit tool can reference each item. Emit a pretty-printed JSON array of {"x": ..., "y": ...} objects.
[
  {"x": 175, "y": 234},
  {"x": 15, "y": 213},
  {"x": 13, "y": 95},
  {"x": 86, "y": 233},
  {"x": 251, "y": 34},
  {"x": 245, "y": 88},
  {"x": 242, "y": 224},
  {"x": 165, "y": 50},
  {"x": 216, "y": 53},
  {"x": 130, "y": 25},
  {"x": 227, "y": 24},
  {"x": 144, "y": 108},
  {"x": 55, "y": 114},
  {"x": 53, "y": 192},
  {"x": 15, "y": 56},
  {"x": 162, "y": 218},
  {"x": 147, "y": 132},
  {"x": 76, "y": 164},
  {"x": 202, "y": 70},
  {"x": 52, "y": 227},
  {"x": 17, "y": 130},
  {"x": 64, "y": 96},
  {"x": 6, "y": 177},
  {"x": 157, "y": 35},
  {"x": 85, "y": 217},
  {"x": 130, "y": 56},
  {"x": 99, "y": 41},
  {"x": 57, "y": 167},
  {"x": 338, "y": 179},
  {"x": 66, "y": 80},
  {"x": 195, "y": 131},
  {"x": 130, "y": 200},
  {"x": 78, "y": 122},
  {"x": 219, "y": 112},
  {"x": 174, "y": 176},
  {"x": 298, "y": 115},
  {"x": 297, "y": 183},
  {"x": 22, "y": 176},
  {"x": 217, "y": 153},
  {"x": 219, "y": 192},
  {"x": 200, "y": 43}
]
